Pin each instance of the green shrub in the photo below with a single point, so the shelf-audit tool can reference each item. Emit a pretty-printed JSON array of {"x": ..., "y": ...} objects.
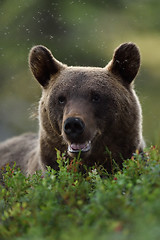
[{"x": 69, "y": 205}]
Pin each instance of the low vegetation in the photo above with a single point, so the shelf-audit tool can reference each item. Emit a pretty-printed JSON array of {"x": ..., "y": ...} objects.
[{"x": 69, "y": 205}]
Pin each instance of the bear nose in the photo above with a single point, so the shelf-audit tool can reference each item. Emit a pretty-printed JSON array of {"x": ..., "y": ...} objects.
[{"x": 73, "y": 127}]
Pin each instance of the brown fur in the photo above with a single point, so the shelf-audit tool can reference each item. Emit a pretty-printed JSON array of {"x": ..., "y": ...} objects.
[{"x": 83, "y": 107}]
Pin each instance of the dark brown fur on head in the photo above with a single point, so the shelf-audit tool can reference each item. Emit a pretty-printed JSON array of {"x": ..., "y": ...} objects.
[
  {"x": 100, "y": 99},
  {"x": 87, "y": 109}
]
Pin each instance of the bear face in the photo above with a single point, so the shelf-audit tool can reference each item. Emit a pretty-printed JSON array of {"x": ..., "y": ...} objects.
[{"x": 89, "y": 109}]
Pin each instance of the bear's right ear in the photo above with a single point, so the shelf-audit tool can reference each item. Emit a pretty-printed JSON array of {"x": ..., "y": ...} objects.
[
  {"x": 43, "y": 65},
  {"x": 125, "y": 62}
]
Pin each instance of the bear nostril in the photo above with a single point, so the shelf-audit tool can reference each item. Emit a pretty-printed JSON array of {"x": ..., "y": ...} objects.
[{"x": 73, "y": 127}]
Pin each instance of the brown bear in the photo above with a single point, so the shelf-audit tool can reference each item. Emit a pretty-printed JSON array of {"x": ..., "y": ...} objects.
[{"x": 91, "y": 110}]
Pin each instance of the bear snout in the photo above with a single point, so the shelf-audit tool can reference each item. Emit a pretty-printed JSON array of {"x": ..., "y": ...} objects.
[
  {"x": 78, "y": 136},
  {"x": 73, "y": 128}
]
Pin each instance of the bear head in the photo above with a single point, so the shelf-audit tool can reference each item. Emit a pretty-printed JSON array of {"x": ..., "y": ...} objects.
[{"x": 90, "y": 109}]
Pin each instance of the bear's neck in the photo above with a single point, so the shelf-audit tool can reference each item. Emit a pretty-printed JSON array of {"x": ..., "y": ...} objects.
[{"x": 48, "y": 145}]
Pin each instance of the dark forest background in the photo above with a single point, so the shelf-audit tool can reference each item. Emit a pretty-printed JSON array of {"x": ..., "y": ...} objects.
[{"x": 78, "y": 33}]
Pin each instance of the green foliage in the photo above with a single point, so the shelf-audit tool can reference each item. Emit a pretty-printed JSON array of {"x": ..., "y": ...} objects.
[{"x": 69, "y": 205}]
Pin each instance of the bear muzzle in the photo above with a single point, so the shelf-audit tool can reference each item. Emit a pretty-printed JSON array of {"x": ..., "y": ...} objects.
[{"x": 74, "y": 129}]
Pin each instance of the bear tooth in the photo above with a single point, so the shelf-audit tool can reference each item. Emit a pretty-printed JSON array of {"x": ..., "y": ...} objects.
[{"x": 85, "y": 147}]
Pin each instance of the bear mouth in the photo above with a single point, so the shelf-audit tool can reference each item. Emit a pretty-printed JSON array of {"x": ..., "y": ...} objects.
[{"x": 79, "y": 147}]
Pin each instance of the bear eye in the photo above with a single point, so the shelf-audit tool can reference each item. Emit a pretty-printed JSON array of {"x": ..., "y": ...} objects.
[
  {"x": 61, "y": 99},
  {"x": 95, "y": 97}
]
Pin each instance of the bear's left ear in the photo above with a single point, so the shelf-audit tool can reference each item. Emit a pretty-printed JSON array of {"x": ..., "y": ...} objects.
[
  {"x": 125, "y": 62},
  {"x": 43, "y": 65}
]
